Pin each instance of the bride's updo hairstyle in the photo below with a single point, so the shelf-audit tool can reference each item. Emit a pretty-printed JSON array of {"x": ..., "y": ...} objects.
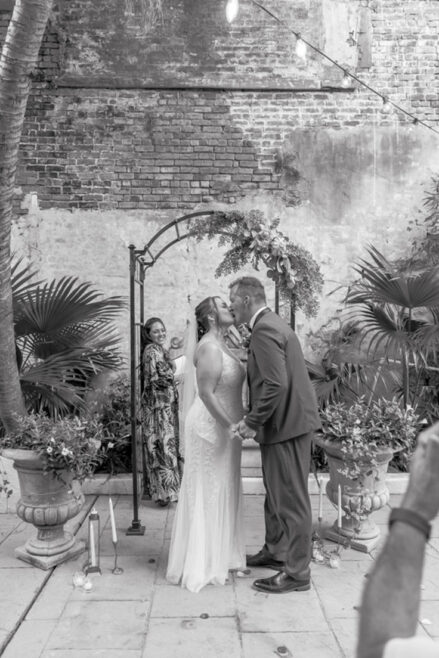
[{"x": 203, "y": 310}]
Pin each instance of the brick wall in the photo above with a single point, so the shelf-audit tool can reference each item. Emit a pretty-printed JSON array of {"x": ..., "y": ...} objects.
[
  {"x": 132, "y": 148},
  {"x": 144, "y": 149},
  {"x": 129, "y": 127}
]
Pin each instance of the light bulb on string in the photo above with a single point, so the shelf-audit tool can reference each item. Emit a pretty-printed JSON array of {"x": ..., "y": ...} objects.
[
  {"x": 387, "y": 106},
  {"x": 346, "y": 80},
  {"x": 232, "y": 10},
  {"x": 414, "y": 123},
  {"x": 300, "y": 48}
]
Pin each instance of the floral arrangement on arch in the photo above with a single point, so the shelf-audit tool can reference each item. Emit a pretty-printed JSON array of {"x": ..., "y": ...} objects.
[{"x": 256, "y": 241}]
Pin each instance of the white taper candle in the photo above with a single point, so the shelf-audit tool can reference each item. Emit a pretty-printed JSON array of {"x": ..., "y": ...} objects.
[
  {"x": 320, "y": 499},
  {"x": 339, "y": 509},
  {"x": 112, "y": 521},
  {"x": 92, "y": 547}
]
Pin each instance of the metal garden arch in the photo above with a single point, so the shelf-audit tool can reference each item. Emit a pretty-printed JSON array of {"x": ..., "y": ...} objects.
[{"x": 141, "y": 260}]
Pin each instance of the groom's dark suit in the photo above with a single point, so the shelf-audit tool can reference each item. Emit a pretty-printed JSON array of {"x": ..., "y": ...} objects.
[{"x": 283, "y": 411}]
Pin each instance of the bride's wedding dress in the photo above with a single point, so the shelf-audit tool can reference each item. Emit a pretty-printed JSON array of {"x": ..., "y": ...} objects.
[{"x": 208, "y": 533}]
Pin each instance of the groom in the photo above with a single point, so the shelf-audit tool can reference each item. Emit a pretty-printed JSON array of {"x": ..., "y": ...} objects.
[{"x": 283, "y": 417}]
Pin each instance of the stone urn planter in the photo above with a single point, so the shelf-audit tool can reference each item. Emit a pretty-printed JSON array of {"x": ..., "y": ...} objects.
[
  {"x": 51, "y": 457},
  {"x": 359, "y": 439},
  {"x": 359, "y": 498},
  {"x": 47, "y": 500}
]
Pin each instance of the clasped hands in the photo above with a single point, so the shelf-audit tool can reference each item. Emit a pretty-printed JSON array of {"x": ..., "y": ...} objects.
[{"x": 242, "y": 431}]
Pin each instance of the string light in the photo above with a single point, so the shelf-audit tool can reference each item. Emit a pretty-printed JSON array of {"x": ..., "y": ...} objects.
[
  {"x": 387, "y": 106},
  {"x": 415, "y": 122},
  {"x": 232, "y": 9},
  {"x": 301, "y": 48},
  {"x": 346, "y": 80}
]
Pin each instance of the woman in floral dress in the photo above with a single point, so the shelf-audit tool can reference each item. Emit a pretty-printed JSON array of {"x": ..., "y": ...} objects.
[{"x": 160, "y": 417}]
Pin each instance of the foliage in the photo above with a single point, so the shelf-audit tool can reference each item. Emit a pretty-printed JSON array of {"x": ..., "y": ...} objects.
[
  {"x": 344, "y": 371},
  {"x": 361, "y": 430},
  {"x": 426, "y": 382},
  {"x": 383, "y": 301},
  {"x": 256, "y": 241},
  {"x": 5, "y": 485},
  {"x": 69, "y": 443},
  {"x": 115, "y": 451},
  {"x": 64, "y": 338},
  {"x": 425, "y": 249}
]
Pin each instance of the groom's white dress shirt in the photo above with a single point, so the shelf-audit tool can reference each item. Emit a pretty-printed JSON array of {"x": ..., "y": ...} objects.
[{"x": 251, "y": 324}]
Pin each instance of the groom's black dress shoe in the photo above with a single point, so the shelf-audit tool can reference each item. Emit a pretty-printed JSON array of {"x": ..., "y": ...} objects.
[
  {"x": 263, "y": 559},
  {"x": 280, "y": 584}
]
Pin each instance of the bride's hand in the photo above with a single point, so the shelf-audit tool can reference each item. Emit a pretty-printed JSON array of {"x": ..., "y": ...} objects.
[
  {"x": 234, "y": 433},
  {"x": 244, "y": 431}
]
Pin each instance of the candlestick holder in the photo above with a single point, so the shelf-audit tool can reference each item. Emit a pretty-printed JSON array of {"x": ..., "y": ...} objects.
[
  {"x": 94, "y": 550},
  {"x": 116, "y": 570}
]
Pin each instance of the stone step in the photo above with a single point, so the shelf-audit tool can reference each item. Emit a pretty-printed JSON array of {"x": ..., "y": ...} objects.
[{"x": 252, "y": 484}]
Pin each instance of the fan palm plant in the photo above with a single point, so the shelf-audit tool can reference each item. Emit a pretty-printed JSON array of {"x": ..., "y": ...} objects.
[
  {"x": 345, "y": 371},
  {"x": 64, "y": 338},
  {"x": 397, "y": 313}
]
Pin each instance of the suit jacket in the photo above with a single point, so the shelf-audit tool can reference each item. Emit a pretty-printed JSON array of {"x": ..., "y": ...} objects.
[{"x": 282, "y": 399}]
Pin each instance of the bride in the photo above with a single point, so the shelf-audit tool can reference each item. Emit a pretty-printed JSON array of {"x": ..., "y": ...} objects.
[{"x": 208, "y": 535}]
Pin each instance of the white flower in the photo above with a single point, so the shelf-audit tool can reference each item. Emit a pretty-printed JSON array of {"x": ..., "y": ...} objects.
[{"x": 49, "y": 450}]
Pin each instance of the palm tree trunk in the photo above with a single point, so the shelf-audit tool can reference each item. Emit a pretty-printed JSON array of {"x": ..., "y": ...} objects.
[
  {"x": 18, "y": 58},
  {"x": 405, "y": 379},
  {"x": 406, "y": 364}
]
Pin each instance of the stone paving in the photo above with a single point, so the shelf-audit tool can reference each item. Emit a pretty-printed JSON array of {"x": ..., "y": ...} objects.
[{"x": 139, "y": 615}]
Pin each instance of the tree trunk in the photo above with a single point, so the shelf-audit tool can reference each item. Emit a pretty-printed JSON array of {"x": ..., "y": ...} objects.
[{"x": 18, "y": 58}]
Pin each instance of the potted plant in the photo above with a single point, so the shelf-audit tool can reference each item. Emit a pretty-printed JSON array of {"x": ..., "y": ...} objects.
[
  {"x": 51, "y": 456},
  {"x": 115, "y": 450},
  {"x": 359, "y": 439}
]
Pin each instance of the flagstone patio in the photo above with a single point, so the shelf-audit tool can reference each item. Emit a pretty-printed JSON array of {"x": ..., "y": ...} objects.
[{"x": 139, "y": 615}]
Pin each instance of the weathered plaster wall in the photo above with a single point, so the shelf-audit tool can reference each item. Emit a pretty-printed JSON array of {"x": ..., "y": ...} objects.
[{"x": 133, "y": 124}]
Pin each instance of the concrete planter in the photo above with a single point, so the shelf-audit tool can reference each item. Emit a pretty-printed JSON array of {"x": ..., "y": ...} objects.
[
  {"x": 48, "y": 502},
  {"x": 358, "y": 499}
]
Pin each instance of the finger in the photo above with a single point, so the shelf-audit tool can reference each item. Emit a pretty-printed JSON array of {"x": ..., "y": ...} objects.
[{"x": 426, "y": 437}]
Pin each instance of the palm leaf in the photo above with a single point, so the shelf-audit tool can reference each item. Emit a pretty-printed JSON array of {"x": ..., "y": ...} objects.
[
  {"x": 91, "y": 336},
  {"x": 22, "y": 280},
  {"x": 52, "y": 307},
  {"x": 60, "y": 380},
  {"x": 427, "y": 337},
  {"x": 344, "y": 379},
  {"x": 382, "y": 283},
  {"x": 382, "y": 328}
]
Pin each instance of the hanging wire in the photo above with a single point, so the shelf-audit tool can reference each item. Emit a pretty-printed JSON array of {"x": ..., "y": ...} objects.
[{"x": 387, "y": 103}]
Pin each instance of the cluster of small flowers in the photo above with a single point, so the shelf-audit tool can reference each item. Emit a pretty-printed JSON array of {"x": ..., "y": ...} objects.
[{"x": 64, "y": 443}]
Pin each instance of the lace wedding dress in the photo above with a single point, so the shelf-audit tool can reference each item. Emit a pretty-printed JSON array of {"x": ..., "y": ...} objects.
[{"x": 208, "y": 534}]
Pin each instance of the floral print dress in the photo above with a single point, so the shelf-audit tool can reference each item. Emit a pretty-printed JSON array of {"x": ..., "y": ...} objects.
[{"x": 160, "y": 426}]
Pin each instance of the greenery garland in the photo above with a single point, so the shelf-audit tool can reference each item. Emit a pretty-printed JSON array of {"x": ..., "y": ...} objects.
[{"x": 254, "y": 240}]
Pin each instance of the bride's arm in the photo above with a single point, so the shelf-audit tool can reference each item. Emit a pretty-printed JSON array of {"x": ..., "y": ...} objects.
[{"x": 209, "y": 364}]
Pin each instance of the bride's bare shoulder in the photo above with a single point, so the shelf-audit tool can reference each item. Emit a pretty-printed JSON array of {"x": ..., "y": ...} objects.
[{"x": 207, "y": 348}]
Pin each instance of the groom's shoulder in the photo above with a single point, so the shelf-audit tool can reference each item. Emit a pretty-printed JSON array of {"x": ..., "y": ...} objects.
[{"x": 272, "y": 321}]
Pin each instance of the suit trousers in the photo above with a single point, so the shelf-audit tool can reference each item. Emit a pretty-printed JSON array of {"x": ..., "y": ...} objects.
[{"x": 288, "y": 515}]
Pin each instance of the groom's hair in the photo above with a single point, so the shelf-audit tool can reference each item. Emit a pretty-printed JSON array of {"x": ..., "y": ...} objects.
[{"x": 251, "y": 286}]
